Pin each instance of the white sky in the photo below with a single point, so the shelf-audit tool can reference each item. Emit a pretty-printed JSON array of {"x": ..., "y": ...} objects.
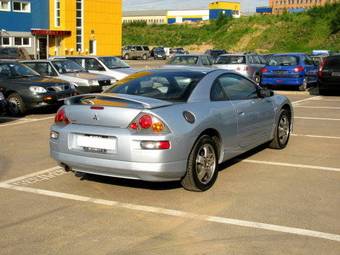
[{"x": 136, "y": 5}]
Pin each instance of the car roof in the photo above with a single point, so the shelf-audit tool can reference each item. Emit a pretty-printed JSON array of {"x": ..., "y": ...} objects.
[
  {"x": 290, "y": 54},
  {"x": 191, "y": 55},
  {"x": 5, "y": 61},
  {"x": 203, "y": 70}
]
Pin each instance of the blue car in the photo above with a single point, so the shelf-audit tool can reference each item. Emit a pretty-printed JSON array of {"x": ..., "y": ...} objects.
[{"x": 291, "y": 69}]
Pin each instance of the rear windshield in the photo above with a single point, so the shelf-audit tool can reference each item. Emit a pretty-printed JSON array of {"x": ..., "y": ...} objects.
[
  {"x": 283, "y": 61},
  {"x": 114, "y": 63},
  {"x": 169, "y": 86},
  {"x": 231, "y": 60},
  {"x": 183, "y": 60},
  {"x": 333, "y": 62}
]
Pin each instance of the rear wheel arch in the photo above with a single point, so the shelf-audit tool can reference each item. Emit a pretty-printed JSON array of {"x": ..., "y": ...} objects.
[{"x": 215, "y": 135}]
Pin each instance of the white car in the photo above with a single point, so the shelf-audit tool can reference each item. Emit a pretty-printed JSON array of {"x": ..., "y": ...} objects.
[{"x": 108, "y": 65}]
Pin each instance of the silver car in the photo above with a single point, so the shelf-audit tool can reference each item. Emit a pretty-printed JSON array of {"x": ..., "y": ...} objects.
[
  {"x": 193, "y": 60},
  {"x": 107, "y": 65},
  {"x": 70, "y": 71},
  {"x": 248, "y": 65},
  {"x": 168, "y": 125}
]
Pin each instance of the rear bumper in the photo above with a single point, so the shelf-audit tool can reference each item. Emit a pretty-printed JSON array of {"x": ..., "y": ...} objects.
[
  {"x": 329, "y": 85},
  {"x": 155, "y": 172},
  {"x": 282, "y": 81}
]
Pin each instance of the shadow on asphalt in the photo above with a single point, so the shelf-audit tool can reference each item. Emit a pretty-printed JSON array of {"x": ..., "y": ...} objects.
[
  {"x": 7, "y": 118},
  {"x": 138, "y": 184}
]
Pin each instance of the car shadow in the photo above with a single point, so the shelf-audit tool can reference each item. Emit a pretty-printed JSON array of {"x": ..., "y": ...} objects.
[
  {"x": 160, "y": 186},
  {"x": 315, "y": 92}
]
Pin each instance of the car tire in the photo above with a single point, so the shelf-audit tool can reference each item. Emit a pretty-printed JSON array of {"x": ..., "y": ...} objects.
[
  {"x": 16, "y": 106},
  {"x": 144, "y": 57},
  {"x": 202, "y": 166},
  {"x": 282, "y": 131},
  {"x": 126, "y": 57},
  {"x": 304, "y": 85}
]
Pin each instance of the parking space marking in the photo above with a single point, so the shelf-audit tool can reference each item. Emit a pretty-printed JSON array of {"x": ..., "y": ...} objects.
[
  {"x": 323, "y": 168},
  {"x": 318, "y": 107},
  {"x": 25, "y": 121},
  {"x": 306, "y": 99},
  {"x": 178, "y": 213},
  {"x": 317, "y": 136},
  {"x": 315, "y": 118}
]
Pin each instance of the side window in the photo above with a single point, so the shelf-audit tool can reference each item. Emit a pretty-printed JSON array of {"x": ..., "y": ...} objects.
[
  {"x": 5, "y": 71},
  {"x": 139, "y": 48},
  {"x": 217, "y": 93},
  {"x": 256, "y": 60},
  {"x": 205, "y": 61},
  {"x": 237, "y": 87},
  {"x": 250, "y": 60},
  {"x": 79, "y": 61},
  {"x": 93, "y": 64},
  {"x": 308, "y": 61}
]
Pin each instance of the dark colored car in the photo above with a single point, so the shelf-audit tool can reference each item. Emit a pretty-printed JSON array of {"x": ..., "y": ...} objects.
[
  {"x": 214, "y": 54},
  {"x": 329, "y": 74},
  {"x": 158, "y": 53},
  {"x": 174, "y": 51},
  {"x": 25, "y": 89},
  {"x": 291, "y": 69},
  {"x": 14, "y": 53}
]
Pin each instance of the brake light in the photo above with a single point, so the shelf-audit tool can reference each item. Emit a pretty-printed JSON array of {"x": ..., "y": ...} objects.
[
  {"x": 148, "y": 123},
  {"x": 299, "y": 69},
  {"x": 264, "y": 70},
  {"x": 322, "y": 65},
  {"x": 97, "y": 107},
  {"x": 155, "y": 145},
  {"x": 61, "y": 117}
]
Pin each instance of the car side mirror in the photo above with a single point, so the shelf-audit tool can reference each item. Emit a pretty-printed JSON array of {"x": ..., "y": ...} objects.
[{"x": 263, "y": 93}]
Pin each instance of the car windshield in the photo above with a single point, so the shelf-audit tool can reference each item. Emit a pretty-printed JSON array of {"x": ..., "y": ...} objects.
[
  {"x": 114, "y": 63},
  {"x": 183, "y": 60},
  {"x": 16, "y": 70},
  {"x": 67, "y": 66},
  {"x": 159, "y": 50},
  {"x": 169, "y": 86},
  {"x": 231, "y": 60},
  {"x": 283, "y": 61}
]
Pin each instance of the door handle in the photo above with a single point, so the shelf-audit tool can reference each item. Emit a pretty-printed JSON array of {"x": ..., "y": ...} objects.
[{"x": 241, "y": 113}]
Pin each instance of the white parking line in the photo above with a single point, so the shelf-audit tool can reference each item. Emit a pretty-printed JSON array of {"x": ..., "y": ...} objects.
[
  {"x": 306, "y": 99},
  {"x": 178, "y": 213},
  {"x": 315, "y": 118},
  {"x": 317, "y": 107},
  {"x": 25, "y": 121},
  {"x": 323, "y": 168},
  {"x": 317, "y": 136}
]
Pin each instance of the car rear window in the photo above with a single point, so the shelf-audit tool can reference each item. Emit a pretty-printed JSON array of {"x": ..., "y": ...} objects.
[
  {"x": 183, "y": 60},
  {"x": 333, "y": 62},
  {"x": 169, "y": 86},
  {"x": 231, "y": 60},
  {"x": 283, "y": 61}
]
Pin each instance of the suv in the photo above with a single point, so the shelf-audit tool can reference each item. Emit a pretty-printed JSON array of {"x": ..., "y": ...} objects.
[
  {"x": 136, "y": 52},
  {"x": 329, "y": 75},
  {"x": 248, "y": 65}
]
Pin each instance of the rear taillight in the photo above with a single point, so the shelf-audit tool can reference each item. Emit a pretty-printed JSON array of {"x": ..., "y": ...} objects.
[
  {"x": 299, "y": 69},
  {"x": 264, "y": 70},
  {"x": 61, "y": 118},
  {"x": 147, "y": 123},
  {"x": 321, "y": 66}
]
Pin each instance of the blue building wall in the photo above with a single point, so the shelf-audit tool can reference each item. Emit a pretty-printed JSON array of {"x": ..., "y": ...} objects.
[
  {"x": 24, "y": 22},
  {"x": 214, "y": 13},
  {"x": 264, "y": 10}
]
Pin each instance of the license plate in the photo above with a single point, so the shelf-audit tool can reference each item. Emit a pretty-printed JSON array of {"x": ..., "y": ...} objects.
[
  {"x": 97, "y": 143},
  {"x": 279, "y": 81},
  {"x": 337, "y": 74}
]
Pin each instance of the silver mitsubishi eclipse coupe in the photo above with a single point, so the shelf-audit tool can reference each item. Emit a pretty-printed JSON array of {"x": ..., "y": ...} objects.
[{"x": 169, "y": 125}]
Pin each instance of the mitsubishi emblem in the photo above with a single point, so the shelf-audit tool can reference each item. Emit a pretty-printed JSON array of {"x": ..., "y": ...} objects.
[{"x": 95, "y": 117}]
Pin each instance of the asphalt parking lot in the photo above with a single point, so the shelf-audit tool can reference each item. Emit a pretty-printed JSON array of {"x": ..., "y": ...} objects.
[{"x": 266, "y": 202}]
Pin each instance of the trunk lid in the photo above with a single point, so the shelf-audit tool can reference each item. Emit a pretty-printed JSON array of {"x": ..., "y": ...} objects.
[{"x": 109, "y": 110}]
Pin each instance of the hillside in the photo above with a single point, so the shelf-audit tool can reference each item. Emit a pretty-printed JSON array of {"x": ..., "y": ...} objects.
[{"x": 318, "y": 28}]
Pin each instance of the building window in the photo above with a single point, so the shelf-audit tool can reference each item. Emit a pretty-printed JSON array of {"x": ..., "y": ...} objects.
[
  {"x": 57, "y": 13},
  {"x": 19, "y": 6},
  {"x": 5, "y": 6},
  {"x": 5, "y": 41},
  {"x": 22, "y": 41},
  {"x": 79, "y": 25}
]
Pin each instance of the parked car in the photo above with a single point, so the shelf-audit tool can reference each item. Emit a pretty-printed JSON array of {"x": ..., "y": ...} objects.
[
  {"x": 107, "y": 65},
  {"x": 70, "y": 71},
  {"x": 169, "y": 124},
  {"x": 329, "y": 75},
  {"x": 248, "y": 65},
  {"x": 158, "y": 53},
  {"x": 291, "y": 69},
  {"x": 25, "y": 89},
  {"x": 190, "y": 60},
  {"x": 135, "y": 52},
  {"x": 318, "y": 59},
  {"x": 3, "y": 102},
  {"x": 214, "y": 54},
  {"x": 175, "y": 51},
  {"x": 14, "y": 53}
]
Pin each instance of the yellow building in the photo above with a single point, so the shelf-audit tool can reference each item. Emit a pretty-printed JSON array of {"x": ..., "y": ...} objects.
[{"x": 82, "y": 27}]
